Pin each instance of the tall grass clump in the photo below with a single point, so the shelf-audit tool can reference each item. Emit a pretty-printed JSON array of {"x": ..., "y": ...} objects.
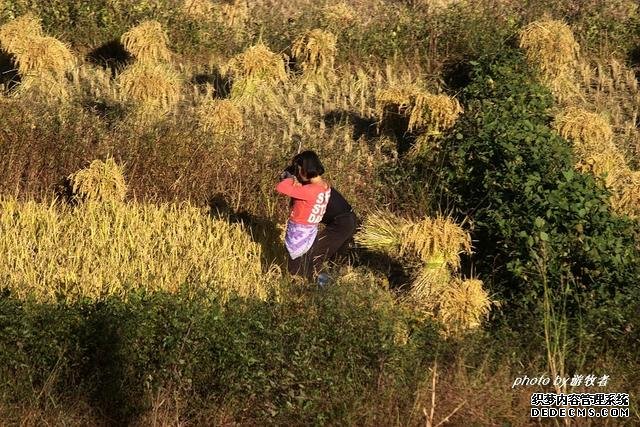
[
  {"x": 102, "y": 181},
  {"x": 550, "y": 45},
  {"x": 97, "y": 249},
  {"x": 42, "y": 61},
  {"x": 147, "y": 42},
  {"x": 255, "y": 73},
  {"x": 433, "y": 246}
]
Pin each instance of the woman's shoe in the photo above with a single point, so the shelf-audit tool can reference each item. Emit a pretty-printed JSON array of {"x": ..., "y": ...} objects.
[{"x": 323, "y": 280}]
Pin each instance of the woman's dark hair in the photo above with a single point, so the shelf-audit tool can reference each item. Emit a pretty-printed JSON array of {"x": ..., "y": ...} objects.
[{"x": 310, "y": 164}]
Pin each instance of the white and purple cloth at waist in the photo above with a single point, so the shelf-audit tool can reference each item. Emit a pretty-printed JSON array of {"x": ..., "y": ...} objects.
[{"x": 299, "y": 238}]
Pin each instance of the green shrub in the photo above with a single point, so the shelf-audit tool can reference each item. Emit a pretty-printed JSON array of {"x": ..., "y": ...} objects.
[
  {"x": 535, "y": 217},
  {"x": 310, "y": 359}
]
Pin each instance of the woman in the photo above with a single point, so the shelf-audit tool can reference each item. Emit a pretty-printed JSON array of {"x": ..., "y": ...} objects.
[
  {"x": 308, "y": 205},
  {"x": 340, "y": 225}
]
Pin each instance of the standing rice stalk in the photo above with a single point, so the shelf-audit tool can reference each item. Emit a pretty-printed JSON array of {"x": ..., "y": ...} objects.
[
  {"x": 95, "y": 249},
  {"x": 198, "y": 9},
  {"x": 234, "y": 13},
  {"x": 147, "y": 42}
]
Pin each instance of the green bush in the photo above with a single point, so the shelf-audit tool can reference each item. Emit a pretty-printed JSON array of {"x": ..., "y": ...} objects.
[
  {"x": 536, "y": 219},
  {"x": 311, "y": 359}
]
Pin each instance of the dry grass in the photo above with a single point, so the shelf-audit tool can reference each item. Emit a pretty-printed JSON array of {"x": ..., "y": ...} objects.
[
  {"x": 153, "y": 87},
  {"x": 220, "y": 116},
  {"x": 98, "y": 249},
  {"x": 147, "y": 42},
  {"x": 100, "y": 182},
  {"x": 550, "y": 45}
]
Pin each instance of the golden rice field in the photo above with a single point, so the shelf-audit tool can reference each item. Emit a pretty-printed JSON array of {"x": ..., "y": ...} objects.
[
  {"x": 140, "y": 143},
  {"x": 93, "y": 249}
]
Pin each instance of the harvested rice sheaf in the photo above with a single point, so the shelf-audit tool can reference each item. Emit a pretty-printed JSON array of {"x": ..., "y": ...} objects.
[
  {"x": 255, "y": 73},
  {"x": 153, "y": 87},
  {"x": 550, "y": 45},
  {"x": 463, "y": 305},
  {"x": 437, "y": 238},
  {"x": 220, "y": 116},
  {"x": 17, "y": 34},
  {"x": 45, "y": 55},
  {"x": 338, "y": 15},
  {"x": 426, "y": 240},
  {"x": 147, "y": 42},
  {"x": 42, "y": 62},
  {"x": 102, "y": 181},
  {"x": 425, "y": 111},
  {"x": 435, "y": 113},
  {"x": 315, "y": 51},
  {"x": 592, "y": 139},
  {"x": 258, "y": 62}
]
